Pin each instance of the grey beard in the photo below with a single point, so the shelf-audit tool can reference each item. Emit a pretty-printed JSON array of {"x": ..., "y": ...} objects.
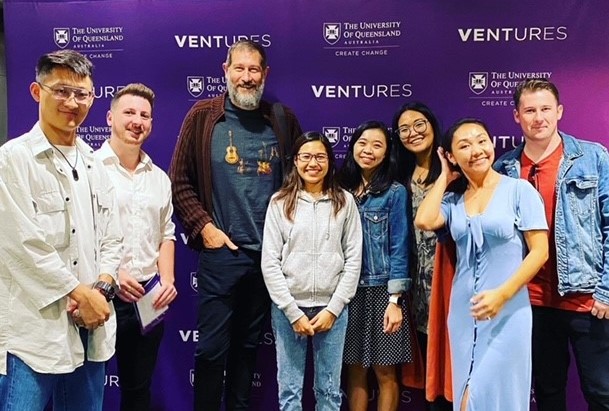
[{"x": 245, "y": 101}]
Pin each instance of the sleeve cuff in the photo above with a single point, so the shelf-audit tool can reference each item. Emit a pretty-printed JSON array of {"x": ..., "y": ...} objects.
[
  {"x": 398, "y": 286},
  {"x": 601, "y": 295},
  {"x": 292, "y": 312},
  {"x": 335, "y": 306}
]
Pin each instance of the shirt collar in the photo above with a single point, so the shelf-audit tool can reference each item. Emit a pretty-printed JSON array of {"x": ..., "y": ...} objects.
[
  {"x": 106, "y": 154},
  {"x": 41, "y": 144}
]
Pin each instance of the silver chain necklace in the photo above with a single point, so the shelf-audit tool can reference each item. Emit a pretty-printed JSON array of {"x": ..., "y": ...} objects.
[{"x": 74, "y": 172}]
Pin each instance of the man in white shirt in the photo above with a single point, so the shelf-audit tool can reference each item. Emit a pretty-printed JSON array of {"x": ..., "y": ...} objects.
[
  {"x": 61, "y": 244},
  {"x": 144, "y": 200}
]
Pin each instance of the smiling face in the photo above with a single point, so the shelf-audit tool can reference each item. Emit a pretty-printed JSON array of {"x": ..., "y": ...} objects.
[
  {"x": 472, "y": 149},
  {"x": 130, "y": 119},
  {"x": 369, "y": 150},
  {"x": 415, "y": 132},
  {"x": 59, "y": 119},
  {"x": 538, "y": 113},
  {"x": 245, "y": 78},
  {"x": 314, "y": 171}
]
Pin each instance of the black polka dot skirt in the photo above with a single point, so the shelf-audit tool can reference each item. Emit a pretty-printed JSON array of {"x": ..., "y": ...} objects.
[{"x": 366, "y": 343}]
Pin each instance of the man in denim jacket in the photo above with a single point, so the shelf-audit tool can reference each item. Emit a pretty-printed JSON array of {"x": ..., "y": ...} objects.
[{"x": 570, "y": 294}]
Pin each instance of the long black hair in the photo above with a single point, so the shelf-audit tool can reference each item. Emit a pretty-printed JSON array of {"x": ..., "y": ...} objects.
[
  {"x": 292, "y": 183},
  {"x": 404, "y": 160},
  {"x": 350, "y": 175},
  {"x": 460, "y": 184}
]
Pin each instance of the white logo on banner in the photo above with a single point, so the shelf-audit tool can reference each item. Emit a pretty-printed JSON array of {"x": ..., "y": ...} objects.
[
  {"x": 218, "y": 41},
  {"x": 332, "y": 33},
  {"x": 111, "y": 380},
  {"x": 193, "y": 281},
  {"x": 506, "y": 34},
  {"x": 334, "y": 91},
  {"x": 195, "y": 85},
  {"x": 478, "y": 82},
  {"x": 189, "y": 335},
  {"x": 95, "y": 42},
  {"x": 370, "y": 38},
  {"x": 332, "y": 134},
  {"x": 94, "y": 135},
  {"x": 495, "y": 88},
  {"x": 191, "y": 377},
  {"x": 61, "y": 37}
]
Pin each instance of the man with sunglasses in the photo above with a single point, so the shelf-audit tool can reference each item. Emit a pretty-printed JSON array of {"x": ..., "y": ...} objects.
[
  {"x": 61, "y": 243},
  {"x": 228, "y": 161},
  {"x": 570, "y": 294}
]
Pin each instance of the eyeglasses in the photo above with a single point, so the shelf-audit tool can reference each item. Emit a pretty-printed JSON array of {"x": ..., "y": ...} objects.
[
  {"x": 419, "y": 127},
  {"x": 63, "y": 93},
  {"x": 533, "y": 176},
  {"x": 307, "y": 157}
]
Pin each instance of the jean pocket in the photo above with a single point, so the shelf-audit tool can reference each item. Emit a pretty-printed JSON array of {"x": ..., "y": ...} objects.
[
  {"x": 376, "y": 224},
  {"x": 582, "y": 194}
]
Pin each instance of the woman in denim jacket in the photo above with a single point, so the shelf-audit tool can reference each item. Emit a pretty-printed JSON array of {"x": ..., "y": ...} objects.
[{"x": 378, "y": 331}]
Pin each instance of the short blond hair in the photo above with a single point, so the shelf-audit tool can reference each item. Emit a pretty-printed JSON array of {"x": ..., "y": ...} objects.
[{"x": 135, "y": 89}]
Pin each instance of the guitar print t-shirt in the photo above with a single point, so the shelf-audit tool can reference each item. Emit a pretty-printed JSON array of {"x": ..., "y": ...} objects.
[{"x": 246, "y": 172}]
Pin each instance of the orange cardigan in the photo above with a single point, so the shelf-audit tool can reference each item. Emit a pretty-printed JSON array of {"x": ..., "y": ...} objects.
[{"x": 436, "y": 378}]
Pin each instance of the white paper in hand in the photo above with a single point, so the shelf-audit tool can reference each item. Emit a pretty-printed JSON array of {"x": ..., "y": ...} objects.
[{"x": 147, "y": 314}]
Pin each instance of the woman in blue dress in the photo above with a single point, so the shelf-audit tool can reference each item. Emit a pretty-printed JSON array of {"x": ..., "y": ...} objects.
[{"x": 499, "y": 227}]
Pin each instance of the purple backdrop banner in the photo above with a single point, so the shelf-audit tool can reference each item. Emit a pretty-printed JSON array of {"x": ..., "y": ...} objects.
[{"x": 336, "y": 64}]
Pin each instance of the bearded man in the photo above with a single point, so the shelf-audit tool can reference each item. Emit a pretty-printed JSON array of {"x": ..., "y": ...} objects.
[{"x": 229, "y": 159}]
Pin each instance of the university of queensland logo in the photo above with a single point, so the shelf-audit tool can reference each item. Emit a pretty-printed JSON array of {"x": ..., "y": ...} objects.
[
  {"x": 61, "y": 37},
  {"x": 332, "y": 33},
  {"x": 195, "y": 85},
  {"x": 193, "y": 281},
  {"x": 332, "y": 134},
  {"x": 478, "y": 82}
]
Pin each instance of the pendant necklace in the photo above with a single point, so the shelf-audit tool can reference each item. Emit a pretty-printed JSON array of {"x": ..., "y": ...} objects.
[
  {"x": 419, "y": 180},
  {"x": 74, "y": 172}
]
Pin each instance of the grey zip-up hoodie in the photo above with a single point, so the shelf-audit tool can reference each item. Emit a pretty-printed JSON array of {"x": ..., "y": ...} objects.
[{"x": 315, "y": 260}]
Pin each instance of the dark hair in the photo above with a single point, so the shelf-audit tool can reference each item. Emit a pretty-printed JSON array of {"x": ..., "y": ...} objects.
[
  {"x": 350, "y": 174},
  {"x": 249, "y": 45},
  {"x": 68, "y": 59},
  {"x": 459, "y": 185},
  {"x": 531, "y": 85},
  {"x": 292, "y": 184},
  {"x": 135, "y": 89},
  {"x": 404, "y": 160}
]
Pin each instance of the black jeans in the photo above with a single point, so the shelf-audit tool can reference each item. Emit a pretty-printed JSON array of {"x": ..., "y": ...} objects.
[
  {"x": 440, "y": 403},
  {"x": 233, "y": 303},
  {"x": 136, "y": 356},
  {"x": 553, "y": 330}
]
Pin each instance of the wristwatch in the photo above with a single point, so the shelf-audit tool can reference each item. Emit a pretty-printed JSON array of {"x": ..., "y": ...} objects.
[
  {"x": 397, "y": 300},
  {"x": 106, "y": 289}
]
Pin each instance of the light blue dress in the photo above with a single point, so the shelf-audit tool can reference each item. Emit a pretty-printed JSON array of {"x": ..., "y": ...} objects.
[{"x": 492, "y": 357}]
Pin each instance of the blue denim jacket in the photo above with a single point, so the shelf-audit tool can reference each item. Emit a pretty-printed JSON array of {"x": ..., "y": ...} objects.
[
  {"x": 582, "y": 215},
  {"x": 386, "y": 232}
]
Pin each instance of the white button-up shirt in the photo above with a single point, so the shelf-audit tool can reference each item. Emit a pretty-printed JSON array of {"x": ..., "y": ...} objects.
[
  {"x": 144, "y": 200},
  {"x": 39, "y": 255}
]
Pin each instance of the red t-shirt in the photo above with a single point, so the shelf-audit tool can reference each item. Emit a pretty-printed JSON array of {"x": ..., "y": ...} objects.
[{"x": 543, "y": 288}]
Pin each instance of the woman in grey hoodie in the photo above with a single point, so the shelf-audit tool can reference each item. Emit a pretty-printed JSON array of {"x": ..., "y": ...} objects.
[{"x": 311, "y": 259}]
